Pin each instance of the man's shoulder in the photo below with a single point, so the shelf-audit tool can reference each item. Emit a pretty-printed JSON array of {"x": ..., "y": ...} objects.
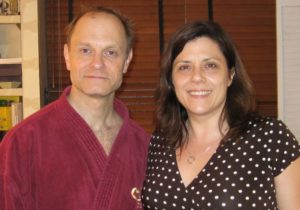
[
  {"x": 42, "y": 114},
  {"x": 39, "y": 119},
  {"x": 130, "y": 124},
  {"x": 138, "y": 129}
]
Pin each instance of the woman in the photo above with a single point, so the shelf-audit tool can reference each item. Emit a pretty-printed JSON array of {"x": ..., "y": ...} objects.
[{"x": 209, "y": 149}]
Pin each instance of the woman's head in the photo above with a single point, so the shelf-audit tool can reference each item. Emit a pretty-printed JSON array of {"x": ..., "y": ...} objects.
[{"x": 239, "y": 99}]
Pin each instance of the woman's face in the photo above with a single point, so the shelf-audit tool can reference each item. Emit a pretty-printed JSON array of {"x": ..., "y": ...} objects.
[{"x": 200, "y": 77}]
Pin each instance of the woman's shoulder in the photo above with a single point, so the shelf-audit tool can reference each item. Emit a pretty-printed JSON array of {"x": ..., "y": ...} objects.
[
  {"x": 273, "y": 134},
  {"x": 271, "y": 138},
  {"x": 266, "y": 125},
  {"x": 158, "y": 142},
  {"x": 157, "y": 139},
  {"x": 270, "y": 133}
]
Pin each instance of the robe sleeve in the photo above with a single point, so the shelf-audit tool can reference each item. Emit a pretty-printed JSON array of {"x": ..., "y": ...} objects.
[{"x": 14, "y": 186}]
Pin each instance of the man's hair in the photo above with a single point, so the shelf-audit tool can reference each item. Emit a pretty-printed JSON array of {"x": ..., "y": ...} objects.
[
  {"x": 240, "y": 103},
  {"x": 126, "y": 23}
]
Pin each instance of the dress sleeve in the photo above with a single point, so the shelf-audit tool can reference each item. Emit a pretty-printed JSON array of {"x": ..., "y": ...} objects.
[{"x": 284, "y": 145}]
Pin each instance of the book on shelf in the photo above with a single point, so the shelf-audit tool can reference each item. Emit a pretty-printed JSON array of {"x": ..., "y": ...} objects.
[{"x": 11, "y": 112}]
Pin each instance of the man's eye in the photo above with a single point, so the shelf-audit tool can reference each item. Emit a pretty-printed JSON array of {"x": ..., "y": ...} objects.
[
  {"x": 85, "y": 51},
  {"x": 111, "y": 53}
]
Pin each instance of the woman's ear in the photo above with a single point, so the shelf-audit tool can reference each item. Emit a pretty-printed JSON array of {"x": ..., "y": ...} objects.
[
  {"x": 232, "y": 73},
  {"x": 231, "y": 76}
]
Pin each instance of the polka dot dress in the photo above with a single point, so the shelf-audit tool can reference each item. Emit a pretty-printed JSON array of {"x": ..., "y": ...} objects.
[{"x": 239, "y": 175}]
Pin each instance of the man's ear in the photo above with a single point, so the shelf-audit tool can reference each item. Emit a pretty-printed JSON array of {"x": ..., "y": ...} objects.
[
  {"x": 127, "y": 61},
  {"x": 67, "y": 57}
]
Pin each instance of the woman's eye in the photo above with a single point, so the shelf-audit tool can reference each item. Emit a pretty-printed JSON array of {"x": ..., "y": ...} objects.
[
  {"x": 210, "y": 66},
  {"x": 184, "y": 67}
]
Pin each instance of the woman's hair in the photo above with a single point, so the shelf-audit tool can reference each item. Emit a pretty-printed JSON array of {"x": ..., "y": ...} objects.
[
  {"x": 126, "y": 23},
  {"x": 171, "y": 116}
]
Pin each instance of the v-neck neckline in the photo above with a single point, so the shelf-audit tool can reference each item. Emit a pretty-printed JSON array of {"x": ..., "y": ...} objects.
[{"x": 200, "y": 173}]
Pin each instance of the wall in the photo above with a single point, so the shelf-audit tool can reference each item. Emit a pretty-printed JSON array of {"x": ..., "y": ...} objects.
[
  {"x": 288, "y": 56},
  {"x": 251, "y": 23}
]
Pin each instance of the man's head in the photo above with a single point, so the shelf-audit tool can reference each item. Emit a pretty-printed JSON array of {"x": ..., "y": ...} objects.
[
  {"x": 123, "y": 20},
  {"x": 98, "y": 52}
]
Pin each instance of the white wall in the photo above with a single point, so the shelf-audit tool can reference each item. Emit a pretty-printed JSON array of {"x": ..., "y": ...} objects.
[{"x": 288, "y": 57}]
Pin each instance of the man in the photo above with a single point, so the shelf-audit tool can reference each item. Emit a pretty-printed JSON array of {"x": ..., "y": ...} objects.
[{"x": 82, "y": 151}]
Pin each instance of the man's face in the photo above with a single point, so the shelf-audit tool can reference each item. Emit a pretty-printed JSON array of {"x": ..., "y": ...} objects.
[{"x": 96, "y": 56}]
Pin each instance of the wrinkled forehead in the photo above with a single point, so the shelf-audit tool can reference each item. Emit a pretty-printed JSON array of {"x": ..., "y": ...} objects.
[
  {"x": 101, "y": 19},
  {"x": 99, "y": 26}
]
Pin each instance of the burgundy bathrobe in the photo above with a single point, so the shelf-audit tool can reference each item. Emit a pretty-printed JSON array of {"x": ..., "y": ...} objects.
[{"x": 53, "y": 161}]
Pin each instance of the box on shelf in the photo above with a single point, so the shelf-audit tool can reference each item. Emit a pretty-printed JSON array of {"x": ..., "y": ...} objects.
[
  {"x": 5, "y": 115},
  {"x": 9, "y": 7},
  {"x": 10, "y": 111},
  {"x": 10, "y": 76},
  {"x": 11, "y": 84}
]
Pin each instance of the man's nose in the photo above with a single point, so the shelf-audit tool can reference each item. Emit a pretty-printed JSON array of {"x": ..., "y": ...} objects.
[{"x": 97, "y": 61}]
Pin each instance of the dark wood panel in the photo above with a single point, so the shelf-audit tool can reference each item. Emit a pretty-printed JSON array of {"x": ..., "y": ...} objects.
[{"x": 251, "y": 23}]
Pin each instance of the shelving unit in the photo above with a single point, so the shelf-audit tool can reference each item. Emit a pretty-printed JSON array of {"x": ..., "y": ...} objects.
[
  {"x": 10, "y": 19},
  {"x": 10, "y": 61},
  {"x": 19, "y": 55}
]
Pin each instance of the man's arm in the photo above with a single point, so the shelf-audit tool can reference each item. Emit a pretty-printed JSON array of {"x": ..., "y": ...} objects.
[{"x": 11, "y": 176}]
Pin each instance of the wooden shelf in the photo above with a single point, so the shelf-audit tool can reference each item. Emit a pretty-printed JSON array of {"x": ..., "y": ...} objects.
[
  {"x": 11, "y": 92},
  {"x": 10, "y": 60},
  {"x": 19, "y": 35},
  {"x": 10, "y": 19}
]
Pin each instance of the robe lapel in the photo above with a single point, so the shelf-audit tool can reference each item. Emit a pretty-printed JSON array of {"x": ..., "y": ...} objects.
[{"x": 108, "y": 184}]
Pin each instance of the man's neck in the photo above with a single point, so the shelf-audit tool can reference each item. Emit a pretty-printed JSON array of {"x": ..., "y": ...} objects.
[{"x": 101, "y": 117}]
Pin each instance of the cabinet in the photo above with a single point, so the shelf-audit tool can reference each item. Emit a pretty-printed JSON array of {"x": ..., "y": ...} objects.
[{"x": 19, "y": 61}]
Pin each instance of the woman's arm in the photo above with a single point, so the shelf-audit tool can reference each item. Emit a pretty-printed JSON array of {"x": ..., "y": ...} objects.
[{"x": 288, "y": 187}]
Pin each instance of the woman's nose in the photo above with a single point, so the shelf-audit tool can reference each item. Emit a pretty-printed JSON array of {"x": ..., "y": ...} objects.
[{"x": 198, "y": 74}]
